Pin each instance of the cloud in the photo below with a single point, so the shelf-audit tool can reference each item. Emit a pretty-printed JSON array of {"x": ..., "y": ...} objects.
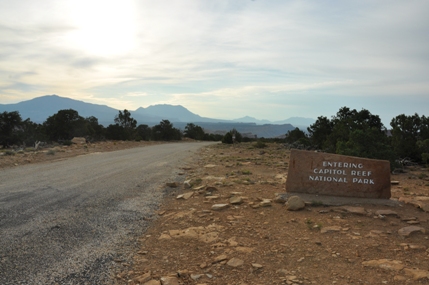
[
  {"x": 270, "y": 58},
  {"x": 137, "y": 94}
]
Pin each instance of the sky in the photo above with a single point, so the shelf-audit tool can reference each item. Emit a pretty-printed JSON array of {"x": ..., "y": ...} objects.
[{"x": 269, "y": 59}]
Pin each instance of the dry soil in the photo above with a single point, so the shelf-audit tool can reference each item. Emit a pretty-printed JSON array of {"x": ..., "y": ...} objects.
[
  {"x": 259, "y": 242},
  {"x": 256, "y": 240}
]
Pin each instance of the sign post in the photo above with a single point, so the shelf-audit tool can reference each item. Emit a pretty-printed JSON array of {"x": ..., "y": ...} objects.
[{"x": 338, "y": 175}]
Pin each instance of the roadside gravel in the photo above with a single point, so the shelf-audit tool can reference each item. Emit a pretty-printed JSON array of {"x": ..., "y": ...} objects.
[{"x": 72, "y": 221}]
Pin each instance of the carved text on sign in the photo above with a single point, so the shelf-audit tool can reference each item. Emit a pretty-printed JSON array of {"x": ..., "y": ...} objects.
[{"x": 338, "y": 175}]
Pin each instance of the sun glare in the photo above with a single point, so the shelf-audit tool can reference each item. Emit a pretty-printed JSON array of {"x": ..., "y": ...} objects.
[{"x": 103, "y": 27}]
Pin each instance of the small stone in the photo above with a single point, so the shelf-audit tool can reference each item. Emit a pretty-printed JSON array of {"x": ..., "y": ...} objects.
[
  {"x": 416, "y": 274},
  {"x": 236, "y": 200},
  {"x": 406, "y": 219},
  {"x": 185, "y": 196},
  {"x": 212, "y": 197},
  {"x": 183, "y": 273},
  {"x": 425, "y": 207},
  {"x": 294, "y": 203},
  {"x": 399, "y": 278},
  {"x": 388, "y": 264},
  {"x": 203, "y": 265},
  {"x": 210, "y": 165},
  {"x": 283, "y": 272},
  {"x": 169, "y": 281},
  {"x": 257, "y": 265},
  {"x": 218, "y": 207},
  {"x": 211, "y": 189},
  {"x": 172, "y": 184},
  {"x": 152, "y": 282},
  {"x": 330, "y": 229},
  {"x": 265, "y": 203},
  {"x": 280, "y": 199},
  {"x": 417, "y": 247},
  {"x": 164, "y": 237},
  {"x": 405, "y": 232},
  {"x": 199, "y": 188},
  {"x": 220, "y": 258},
  {"x": 195, "y": 277},
  {"x": 386, "y": 213},
  {"x": 144, "y": 278},
  {"x": 244, "y": 249},
  {"x": 187, "y": 184},
  {"x": 235, "y": 262},
  {"x": 280, "y": 176}
]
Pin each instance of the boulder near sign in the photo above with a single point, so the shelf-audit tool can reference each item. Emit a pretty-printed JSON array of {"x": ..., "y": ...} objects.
[{"x": 338, "y": 175}]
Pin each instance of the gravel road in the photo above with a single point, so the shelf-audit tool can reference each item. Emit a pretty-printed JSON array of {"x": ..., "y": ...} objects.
[{"x": 66, "y": 222}]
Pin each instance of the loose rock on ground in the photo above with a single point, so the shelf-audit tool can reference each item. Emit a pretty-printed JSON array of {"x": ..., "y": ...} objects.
[{"x": 230, "y": 231}]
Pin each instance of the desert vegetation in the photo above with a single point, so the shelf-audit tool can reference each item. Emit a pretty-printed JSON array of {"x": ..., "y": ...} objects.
[
  {"x": 362, "y": 134},
  {"x": 348, "y": 132},
  {"x": 66, "y": 124}
]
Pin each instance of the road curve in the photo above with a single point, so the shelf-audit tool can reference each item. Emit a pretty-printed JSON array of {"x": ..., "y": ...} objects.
[{"x": 66, "y": 222}]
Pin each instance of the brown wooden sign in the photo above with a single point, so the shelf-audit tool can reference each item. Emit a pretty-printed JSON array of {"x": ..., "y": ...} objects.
[{"x": 338, "y": 175}]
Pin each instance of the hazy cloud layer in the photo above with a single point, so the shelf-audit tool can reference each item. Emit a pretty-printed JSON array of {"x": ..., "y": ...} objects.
[{"x": 222, "y": 59}]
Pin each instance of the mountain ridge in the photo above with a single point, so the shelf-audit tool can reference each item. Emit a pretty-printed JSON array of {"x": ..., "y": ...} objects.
[{"x": 40, "y": 108}]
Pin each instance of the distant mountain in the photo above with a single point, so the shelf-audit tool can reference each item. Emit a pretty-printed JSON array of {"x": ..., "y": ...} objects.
[
  {"x": 173, "y": 113},
  {"x": 298, "y": 122},
  {"x": 248, "y": 119},
  {"x": 39, "y": 109},
  {"x": 247, "y": 129}
]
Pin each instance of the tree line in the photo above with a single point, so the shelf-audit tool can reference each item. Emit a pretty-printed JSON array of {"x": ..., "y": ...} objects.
[
  {"x": 348, "y": 132},
  {"x": 362, "y": 134},
  {"x": 67, "y": 124}
]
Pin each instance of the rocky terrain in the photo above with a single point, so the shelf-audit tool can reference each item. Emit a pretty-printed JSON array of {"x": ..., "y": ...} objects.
[{"x": 226, "y": 225}]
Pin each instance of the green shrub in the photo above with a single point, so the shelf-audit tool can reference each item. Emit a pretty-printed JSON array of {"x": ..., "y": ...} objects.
[
  {"x": 317, "y": 203},
  {"x": 196, "y": 182},
  {"x": 228, "y": 138},
  {"x": 309, "y": 223},
  {"x": 9, "y": 152},
  {"x": 422, "y": 175},
  {"x": 260, "y": 144}
]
